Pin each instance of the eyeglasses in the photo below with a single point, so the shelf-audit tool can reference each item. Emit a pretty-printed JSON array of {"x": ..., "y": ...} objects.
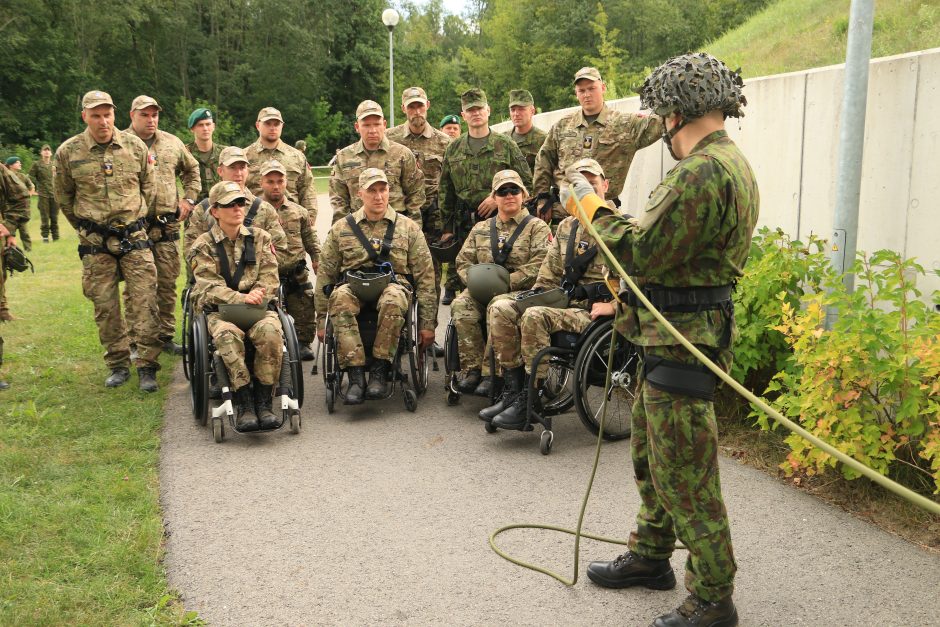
[
  {"x": 235, "y": 203},
  {"x": 508, "y": 190}
]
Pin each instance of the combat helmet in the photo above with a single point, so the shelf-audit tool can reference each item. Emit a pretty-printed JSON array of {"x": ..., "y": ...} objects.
[
  {"x": 242, "y": 315},
  {"x": 486, "y": 281},
  {"x": 368, "y": 285},
  {"x": 444, "y": 252},
  {"x": 557, "y": 298},
  {"x": 15, "y": 260},
  {"x": 693, "y": 85}
]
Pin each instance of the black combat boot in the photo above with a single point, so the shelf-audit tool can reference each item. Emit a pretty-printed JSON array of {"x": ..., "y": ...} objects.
[
  {"x": 118, "y": 377},
  {"x": 437, "y": 350},
  {"x": 305, "y": 353},
  {"x": 485, "y": 388},
  {"x": 469, "y": 381},
  {"x": 696, "y": 612},
  {"x": 245, "y": 419},
  {"x": 448, "y": 296},
  {"x": 148, "y": 379},
  {"x": 357, "y": 385},
  {"x": 171, "y": 347},
  {"x": 514, "y": 416},
  {"x": 266, "y": 417},
  {"x": 378, "y": 379},
  {"x": 631, "y": 569},
  {"x": 511, "y": 387}
]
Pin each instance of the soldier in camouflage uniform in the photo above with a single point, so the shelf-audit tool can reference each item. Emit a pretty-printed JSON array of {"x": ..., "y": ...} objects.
[
  {"x": 170, "y": 160},
  {"x": 301, "y": 240},
  {"x": 300, "y": 185},
  {"x": 104, "y": 184},
  {"x": 470, "y": 163},
  {"x": 18, "y": 211},
  {"x": 375, "y": 150},
  {"x": 233, "y": 166},
  {"x": 203, "y": 149},
  {"x": 686, "y": 250},
  {"x": 572, "y": 263},
  {"x": 523, "y": 262},
  {"x": 7, "y": 240},
  {"x": 14, "y": 194},
  {"x": 594, "y": 131},
  {"x": 527, "y": 136},
  {"x": 410, "y": 260},
  {"x": 216, "y": 284},
  {"x": 41, "y": 174}
]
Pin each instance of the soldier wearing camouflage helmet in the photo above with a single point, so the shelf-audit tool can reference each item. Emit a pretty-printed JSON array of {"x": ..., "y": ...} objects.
[
  {"x": 687, "y": 249},
  {"x": 593, "y": 131},
  {"x": 201, "y": 124},
  {"x": 374, "y": 237},
  {"x": 527, "y": 136}
]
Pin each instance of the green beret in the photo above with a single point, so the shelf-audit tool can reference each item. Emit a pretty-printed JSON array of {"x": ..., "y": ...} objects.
[
  {"x": 449, "y": 119},
  {"x": 12, "y": 160},
  {"x": 199, "y": 115}
]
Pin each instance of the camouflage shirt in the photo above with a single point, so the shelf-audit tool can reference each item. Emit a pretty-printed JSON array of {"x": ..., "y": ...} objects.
[
  {"x": 170, "y": 159},
  {"x": 210, "y": 288},
  {"x": 301, "y": 234},
  {"x": 16, "y": 195},
  {"x": 300, "y": 185},
  {"x": 612, "y": 140},
  {"x": 208, "y": 166},
  {"x": 467, "y": 178},
  {"x": 428, "y": 149},
  {"x": 41, "y": 174},
  {"x": 342, "y": 251},
  {"x": 405, "y": 180},
  {"x": 552, "y": 271},
  {"x": 104, "y": 184},
  {"x": 695, "y": 231},
  {"x": 529, "y": 144},
  {"x": 526, "y": 256}
]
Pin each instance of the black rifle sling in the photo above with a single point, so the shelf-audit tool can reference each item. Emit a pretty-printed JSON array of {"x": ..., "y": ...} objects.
[
  {"x": 576, "y": 265},
  {"x": 376, "y": 256},
  {"x": 500, "y": 256},
  {"x": 252, "y": 212},
  {"x": 248, "y": 259}
]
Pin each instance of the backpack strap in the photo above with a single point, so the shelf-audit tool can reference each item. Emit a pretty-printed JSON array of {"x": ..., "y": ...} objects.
[
  {"x": 576, "y": 265},
  {"x": 377, "y": 256},
  {"x": 501, "y": 254},
  {"x": 252, "y": 212},
  {"x": 248, "y": 259}
]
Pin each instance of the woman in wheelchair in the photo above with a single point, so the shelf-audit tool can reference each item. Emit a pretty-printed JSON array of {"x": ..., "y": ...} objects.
[
  {"x": 233, "y": 264},
  {"x": 512, "y": 239},
  {"x": 520, "y": 327},
  {"x": 375, "y": 257}
]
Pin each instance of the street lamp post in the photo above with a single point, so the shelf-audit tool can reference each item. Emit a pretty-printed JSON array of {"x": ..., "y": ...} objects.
[{"x": 390, "y": 19}]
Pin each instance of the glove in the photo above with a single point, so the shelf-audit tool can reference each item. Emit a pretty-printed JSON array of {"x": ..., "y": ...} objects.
[{"x": 582, "y": 190}]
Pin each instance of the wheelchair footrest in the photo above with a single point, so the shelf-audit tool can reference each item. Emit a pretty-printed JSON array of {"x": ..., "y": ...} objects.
[{"x": 225, "y": 409}]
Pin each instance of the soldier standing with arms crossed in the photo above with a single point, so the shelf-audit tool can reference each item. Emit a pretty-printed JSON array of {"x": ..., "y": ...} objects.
[
  {"x": 686, "y": 250},
  {"x": 104, "y": 184},
  {"x": 41, "y": 174}
]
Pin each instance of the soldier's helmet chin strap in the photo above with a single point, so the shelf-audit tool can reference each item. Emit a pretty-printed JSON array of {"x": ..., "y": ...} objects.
[{"x": 669, "y": 135}]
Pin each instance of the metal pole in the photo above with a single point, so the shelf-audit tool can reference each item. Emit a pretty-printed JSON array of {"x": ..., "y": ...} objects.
[
  {"x": 851, "y": 143},
  {"x": 391, "y": 78}
]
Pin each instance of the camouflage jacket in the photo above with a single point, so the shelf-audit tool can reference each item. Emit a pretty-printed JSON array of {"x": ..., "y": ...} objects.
[
  {"x": 210, "y": 288},
  {"x": 405, "y": 180},
  {"x": 300, "y": 185},
  {"x": 342, "y": 251},
  {"x": 552, "y": 271},
  {"x": 612, "y": 140},
  {"x": 41, "y": 174},
  {"x": 15, "y": 195},
  {"x": 467, "y": 178},
  {"x": 208, "y": 166},
  {"x": 529, "y": 144},
  {"x": 301, "y": 235},
  {"x": 171, "y": 159},
  {"x": 526, "y": 256},
  {"x": 695, "y": 231},
  {"x": 112, "y": 184},
  {"x": 201, "y": 221},
  {"x": 428, "y": 149}
]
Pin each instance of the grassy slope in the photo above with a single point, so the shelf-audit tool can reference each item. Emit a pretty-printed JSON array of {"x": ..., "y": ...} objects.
[{"x": 793, "y": 35}]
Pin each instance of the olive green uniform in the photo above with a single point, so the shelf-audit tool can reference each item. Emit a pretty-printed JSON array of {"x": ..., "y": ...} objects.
[
  {"x": 17, "y": 213},
  {"x": 529, "y": 144},
  {"x": 13, "y": 194},
  {"x": 41, "y": 174},
  {"x": 300, "y": 185},
  {"x": 208, "y": 166}
]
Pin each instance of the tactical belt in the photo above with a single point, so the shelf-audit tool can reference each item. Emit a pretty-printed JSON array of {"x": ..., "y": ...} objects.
[
  {"x": 377, "y": 256},
  {"x": 683, "y": 299},
  {"x": 501, "y": 253},
  {"x": 248, "y": 259},
  {"x": 591, "y": 292},
  {"x": 164, "y": 221},
  {"x": 106, "y": 231}
]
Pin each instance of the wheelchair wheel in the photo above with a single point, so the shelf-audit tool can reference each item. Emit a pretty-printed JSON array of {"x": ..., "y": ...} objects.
[
  {"x": 590, "y": 370},
  {"x": 332, "y": 376},
  {"x": 557, "y": 388},
  {"x": 187, "y": 334},
  {"x": 419, "y": 360},
  {"x": 199, "y": 380},
  {"x": 293, "y": 353}
]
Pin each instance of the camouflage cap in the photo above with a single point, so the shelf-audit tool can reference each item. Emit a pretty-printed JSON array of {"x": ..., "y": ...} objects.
[
  {"x": 269, "y": 113},
  {"x": 272, "y": 166},
  {"x": 199, "y": 115},
  {"x": 232, "y": 154},
  {"x": 142, "y": 102},
  {"x": 225, "y": 192},
  {"x": 473, "y": 97},
  {"x": 371, "y": 176},
  {"x": 45, "y": 147},
  {"x": 520, "y": 98},
  {"x": 588, "y": 165},
  {"x": 449, "y": 119},
  {"x": 505, "y": 177},
  {"x": 367, "y": 108},
  {"x": 95, "y": 99},
  {"x": 693, "y": 85},
  {"x": 590, "y": 73},
  {"x": 413, "y": 94},
  {"x": 300, "y": 145}
]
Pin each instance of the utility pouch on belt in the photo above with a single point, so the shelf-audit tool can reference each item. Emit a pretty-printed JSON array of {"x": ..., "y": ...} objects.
[{"x": 676, "y": 377}]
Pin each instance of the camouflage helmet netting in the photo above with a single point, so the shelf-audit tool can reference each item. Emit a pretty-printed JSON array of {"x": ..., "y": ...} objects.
[{"x": 693, "y": 85}]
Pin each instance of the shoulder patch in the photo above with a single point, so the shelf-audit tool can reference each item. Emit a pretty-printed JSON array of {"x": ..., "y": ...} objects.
[{"x": 660, "y": 200}]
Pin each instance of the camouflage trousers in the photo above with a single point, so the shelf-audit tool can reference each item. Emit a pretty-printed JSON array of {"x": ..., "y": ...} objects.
[
  {"x": 344, "y": 307},
  {"x": 538, "y": 324},
  {"x": 675, "y": 462},
  {"x": 300, "y": 307},
  {"x": 101, "y": 276},
  {"x": 468, "y": 317},
  {"x": 49, "y": 213},
  {"x": 266, "y": 336},
  {"x": 166, "y": 257},
  {"x": 18, "y": 221}
]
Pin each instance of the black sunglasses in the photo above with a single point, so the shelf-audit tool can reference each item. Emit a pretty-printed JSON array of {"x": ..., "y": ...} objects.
[
  {"x": 509, "y": 190},
  {"x": 235, "y": 203}
]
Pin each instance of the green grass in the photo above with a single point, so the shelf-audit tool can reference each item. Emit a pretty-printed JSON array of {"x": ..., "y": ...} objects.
[
  {"x": 80, "y": 523},
  {"x": 792, "y": 35}
]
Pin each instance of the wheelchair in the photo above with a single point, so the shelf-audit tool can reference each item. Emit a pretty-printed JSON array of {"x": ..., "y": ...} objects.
[
  {"x": 577, "y": 373},
  {"x": 201, "y": 363},
  {"x": 413, "y": 383},
  {"x": 452, "y": 366}
]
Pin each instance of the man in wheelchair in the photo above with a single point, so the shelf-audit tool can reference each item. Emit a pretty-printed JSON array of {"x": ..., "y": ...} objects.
[
  {"x": 235, "y": 264},
  {"x": 570, "y": 280},
  {"x": 512, "y": 239},
  {"x": 377, "y": 257}
]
